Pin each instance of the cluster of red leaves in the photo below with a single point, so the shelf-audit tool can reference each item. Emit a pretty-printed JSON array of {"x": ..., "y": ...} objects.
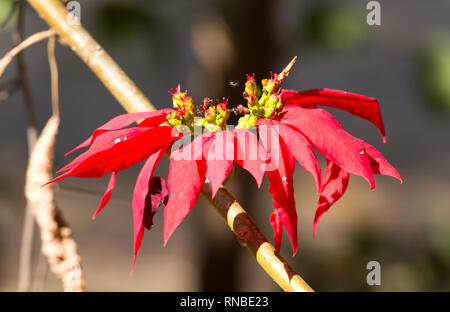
[
  {"x": 290, "y": 135},
  {"x": 209, "y": 156},
  {"x": 302, "y": 127}
]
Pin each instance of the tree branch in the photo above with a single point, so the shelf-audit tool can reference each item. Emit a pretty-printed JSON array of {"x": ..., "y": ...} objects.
[
  {"x": 57, "y": 243},
  {"x": 132, "y": 99},
  {"x": 250, "y": 236}
]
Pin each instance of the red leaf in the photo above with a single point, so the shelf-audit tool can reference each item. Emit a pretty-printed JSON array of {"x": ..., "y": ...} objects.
[
  {"x": 335, "y": 183},
  {"x": 277, "y": 228},
  {"x": 219, "y": 159},
  {"x": 249, "y": 154},
  {"x": 118, "y": 150},
  {"x": 185, "y": 182},
  {"x": 107, "y": 195},
  {"x": 330, "y": 139},
  {"x": 188, "y": 149},
  {"x": 300, "y": 148},
  {"x": 281, "y": 186},
  {"x": 107, "y": 140},
  {"x": 355, "y": 104},
  {"x": 151, "y": 119},
  {"x": 379, "y": 164},
  {"x": 158, "y": 195},
  {"x": 140, "y": 193}
]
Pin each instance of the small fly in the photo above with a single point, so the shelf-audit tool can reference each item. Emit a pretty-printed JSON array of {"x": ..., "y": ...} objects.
[{"x": 233, "y": 83}]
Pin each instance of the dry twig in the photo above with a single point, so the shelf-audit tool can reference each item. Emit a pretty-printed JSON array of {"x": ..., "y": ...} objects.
[
  {"x": 57, "y": 243},
  {"x": 56, "y": 237},
  {"x": 53, "y": 75},
  {"x": 5, "y": 60}
]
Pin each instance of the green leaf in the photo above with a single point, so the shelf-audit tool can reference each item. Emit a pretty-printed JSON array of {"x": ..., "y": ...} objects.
[
  {"x": 434, "y": 73},
  {"x": 5, "y": 10}
]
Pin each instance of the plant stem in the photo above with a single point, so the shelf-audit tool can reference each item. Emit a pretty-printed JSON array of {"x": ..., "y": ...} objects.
[
  {"x": 250, "y": 236},
  {"x": 81, "y": 42},
  {"x": 57, "y": 242},
  {"x": 22, "y": 45},
  {"x": 133, "y": 100}
]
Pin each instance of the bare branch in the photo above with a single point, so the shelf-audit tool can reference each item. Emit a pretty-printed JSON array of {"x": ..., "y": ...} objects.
[
  {"x": 56, "y": 237},
  {"x": 53, "y": 75},
  {"x": 57, "y": 243},
  {"x": 5, "y": 60}
]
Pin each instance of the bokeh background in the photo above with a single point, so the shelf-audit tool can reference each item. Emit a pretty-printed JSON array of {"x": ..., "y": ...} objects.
[{"x": 404, "y": 63}]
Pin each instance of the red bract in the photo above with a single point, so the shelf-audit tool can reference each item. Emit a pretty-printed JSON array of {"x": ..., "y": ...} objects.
[
  {"x": 113, "y": 149},
  {"x": 289, "y": 125},
  {"x": 285, "y": 145},
  {"x": 209, "y": 156},
  {"x": 356, "y": 104},
  {"x": 118, "y": 150},
  {"x": 281, "y": 186},
  {"x": 146, "y": 199},
  {"x": 335, "y": 183},
  {"x": 300, "y": 127},
  {"x": 150, "y": 119},
  {"x": 185, "y": 182},
  {"x": 220, "y": 160}
]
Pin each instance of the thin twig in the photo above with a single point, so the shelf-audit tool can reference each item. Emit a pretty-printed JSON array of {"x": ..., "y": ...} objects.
[
  {"x": 57, "y": 243},
  {"x": 53, "y": 75},
  {"x": 5, "y": 60},
  {"x": 78, "y": 39},
  {"x": 132, "y": 99}
]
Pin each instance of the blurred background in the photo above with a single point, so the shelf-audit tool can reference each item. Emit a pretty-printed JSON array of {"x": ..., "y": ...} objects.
[{"x": 404, "y": 63}]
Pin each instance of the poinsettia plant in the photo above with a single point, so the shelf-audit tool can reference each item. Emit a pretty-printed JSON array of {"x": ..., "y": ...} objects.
[{"x": 277, "y": 128}]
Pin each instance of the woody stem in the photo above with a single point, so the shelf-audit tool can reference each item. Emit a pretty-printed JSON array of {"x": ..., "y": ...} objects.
[{"x": 133, "y": 100}]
